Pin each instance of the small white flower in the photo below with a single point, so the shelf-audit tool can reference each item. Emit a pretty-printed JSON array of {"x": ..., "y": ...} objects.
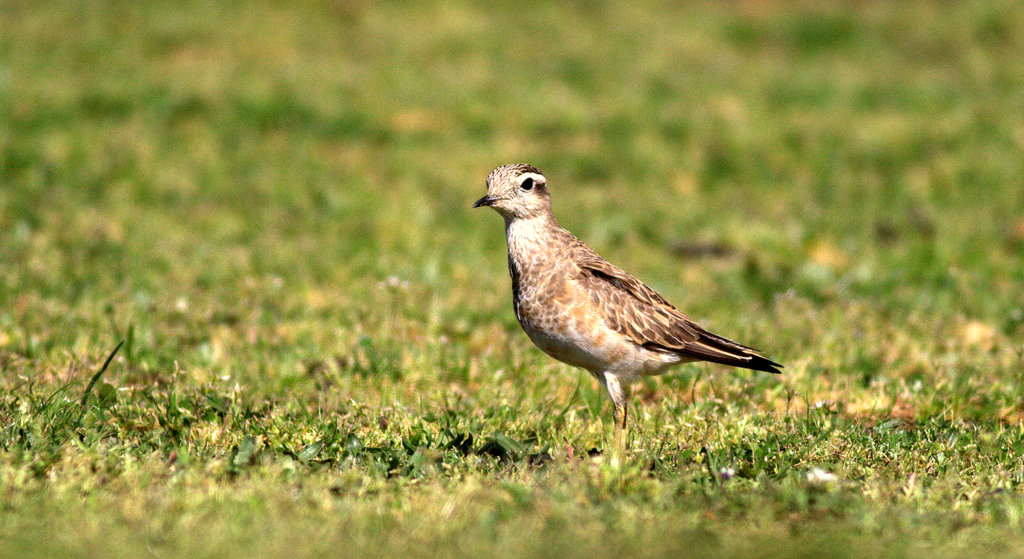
[
  {"x": 817, "y": 476},
  {"x": 727, "y": 473},
  {"x": 393, "y": 282}
]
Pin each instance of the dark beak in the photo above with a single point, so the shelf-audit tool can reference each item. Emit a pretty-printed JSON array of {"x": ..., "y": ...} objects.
[{"x": 485, "y": 201}]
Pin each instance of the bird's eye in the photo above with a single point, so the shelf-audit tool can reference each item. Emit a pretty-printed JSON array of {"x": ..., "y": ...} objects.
[{"x": 527, "y": 184}]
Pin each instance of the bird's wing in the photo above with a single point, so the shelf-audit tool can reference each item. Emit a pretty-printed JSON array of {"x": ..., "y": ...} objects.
[{"x": 638, "y": 312}]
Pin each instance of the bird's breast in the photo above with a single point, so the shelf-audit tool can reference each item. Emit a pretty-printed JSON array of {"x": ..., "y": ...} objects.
[
  {"x": 556, "y": 311},
  {"x": 560, "y": 320}
]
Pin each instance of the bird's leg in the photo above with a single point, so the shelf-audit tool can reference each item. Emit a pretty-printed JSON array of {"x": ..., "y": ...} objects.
[
  {"x": 619, "y": 415},
  {"x": 618, "y": 393}
]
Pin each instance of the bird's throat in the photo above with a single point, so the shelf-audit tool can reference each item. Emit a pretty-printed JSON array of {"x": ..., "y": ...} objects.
[{"x": 527, "y": 235}]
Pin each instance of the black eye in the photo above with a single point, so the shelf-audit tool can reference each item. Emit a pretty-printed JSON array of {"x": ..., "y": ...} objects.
[{"x": 527, "y": 184}]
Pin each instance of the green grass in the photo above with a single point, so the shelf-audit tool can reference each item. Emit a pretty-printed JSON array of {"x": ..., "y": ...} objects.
[{"x": 269, "y": 205}]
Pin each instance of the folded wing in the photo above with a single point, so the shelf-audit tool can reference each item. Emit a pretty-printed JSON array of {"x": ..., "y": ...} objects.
[{"x": 638, "y": 312}]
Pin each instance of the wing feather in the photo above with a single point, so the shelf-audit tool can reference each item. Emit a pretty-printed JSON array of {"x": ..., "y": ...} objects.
[{"x": 635, "y": 310}]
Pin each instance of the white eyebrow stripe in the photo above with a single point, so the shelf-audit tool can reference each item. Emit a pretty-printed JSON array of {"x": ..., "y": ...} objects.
[{"x": 536, "y": 178}]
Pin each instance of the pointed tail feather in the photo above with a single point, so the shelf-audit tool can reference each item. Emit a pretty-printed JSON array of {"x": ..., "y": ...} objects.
[{"x": 750, "y": 361}]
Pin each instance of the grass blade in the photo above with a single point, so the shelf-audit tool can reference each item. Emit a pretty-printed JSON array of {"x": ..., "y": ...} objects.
[{"x": 99, "y": 373}]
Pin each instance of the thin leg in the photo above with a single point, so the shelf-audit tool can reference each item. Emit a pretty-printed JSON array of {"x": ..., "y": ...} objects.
[
  {"x": 619, "y": 398},
  {"x": 619, "y": 415}
]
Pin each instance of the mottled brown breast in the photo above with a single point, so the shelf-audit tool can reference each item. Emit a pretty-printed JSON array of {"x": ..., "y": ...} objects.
[{"x": 513, "y": 271}]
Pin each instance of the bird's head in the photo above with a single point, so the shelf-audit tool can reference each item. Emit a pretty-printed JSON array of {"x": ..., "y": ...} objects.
[{"x": 517, "y": 191}]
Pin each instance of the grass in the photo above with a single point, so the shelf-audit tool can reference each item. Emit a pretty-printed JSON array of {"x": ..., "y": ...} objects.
[{"x": 269, "y": 206}]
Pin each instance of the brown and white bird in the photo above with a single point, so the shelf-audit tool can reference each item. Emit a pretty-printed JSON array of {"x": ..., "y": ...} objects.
[{"x": 581, "y": 310}]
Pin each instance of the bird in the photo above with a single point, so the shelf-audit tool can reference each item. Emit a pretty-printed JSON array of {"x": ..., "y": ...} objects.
[{"x": 580, "y": 309}]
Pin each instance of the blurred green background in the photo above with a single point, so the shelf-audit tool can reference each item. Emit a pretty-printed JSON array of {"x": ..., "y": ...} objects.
[{"x": 270, "y": 204}]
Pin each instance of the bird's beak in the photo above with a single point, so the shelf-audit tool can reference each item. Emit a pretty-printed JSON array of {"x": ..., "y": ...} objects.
[{"x": 485, "y": 201}]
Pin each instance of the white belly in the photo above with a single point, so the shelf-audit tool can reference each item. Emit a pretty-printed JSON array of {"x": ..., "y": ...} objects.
[{"x": 598, "y": 350}]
